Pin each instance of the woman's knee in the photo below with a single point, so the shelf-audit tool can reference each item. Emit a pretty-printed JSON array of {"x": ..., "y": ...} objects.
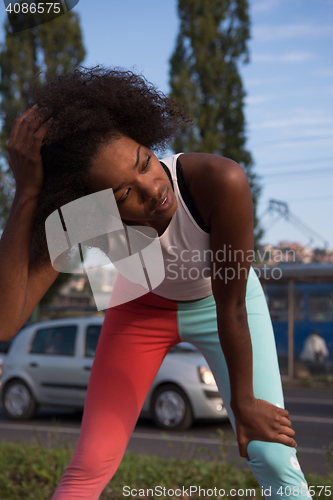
[{"x": 94, "y": 463}]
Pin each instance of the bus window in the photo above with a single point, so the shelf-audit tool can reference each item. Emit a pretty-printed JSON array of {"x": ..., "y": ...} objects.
[
  {"x": 278, "y": 308},
  {"x": 321, "y": 307},
  {"x": 278, "y": 304}
]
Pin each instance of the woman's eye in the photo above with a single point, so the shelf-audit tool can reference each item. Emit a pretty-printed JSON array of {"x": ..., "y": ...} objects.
[
  {"x": 143, "y": 169},
  {"x": 146, "y": 164},
  {"x": 126, "y": 194}
]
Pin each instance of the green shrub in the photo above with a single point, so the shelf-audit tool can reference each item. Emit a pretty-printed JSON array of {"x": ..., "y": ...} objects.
[{"x": 32, "y": 472}]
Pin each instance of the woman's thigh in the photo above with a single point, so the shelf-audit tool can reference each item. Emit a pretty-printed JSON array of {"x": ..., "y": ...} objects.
[{"x": 134, "y": 340}]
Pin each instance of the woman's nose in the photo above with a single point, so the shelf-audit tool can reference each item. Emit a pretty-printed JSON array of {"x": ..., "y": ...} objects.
[{"x": 149, "y": 189}]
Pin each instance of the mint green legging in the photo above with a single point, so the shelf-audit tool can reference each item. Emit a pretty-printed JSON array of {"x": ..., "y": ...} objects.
[{"x": 135, "y": 338}]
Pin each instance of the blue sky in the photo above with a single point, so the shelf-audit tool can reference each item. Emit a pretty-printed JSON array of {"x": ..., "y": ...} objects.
[{"x": 289, "y": 85}]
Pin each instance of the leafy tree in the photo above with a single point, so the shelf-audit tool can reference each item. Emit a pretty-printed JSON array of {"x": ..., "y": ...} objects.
[
  {"x": 204, "y": 74},
  {"x": 31, "y": 57}
]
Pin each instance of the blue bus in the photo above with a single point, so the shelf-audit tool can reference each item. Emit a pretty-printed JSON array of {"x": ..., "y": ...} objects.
[{"x": 313, "y": 310}]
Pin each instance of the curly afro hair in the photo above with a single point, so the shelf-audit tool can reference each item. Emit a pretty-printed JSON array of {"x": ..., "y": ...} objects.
[{"x": 90, "y": 106}]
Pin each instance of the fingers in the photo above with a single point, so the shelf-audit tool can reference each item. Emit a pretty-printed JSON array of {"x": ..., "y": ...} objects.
[
  {"x": 242, "y": 447},
  {"x": 285, "y": 427},
  {"x": 24, "y": 148},
  {"x": 27, "y": 135},
  {"x": 29, "y": 125},
  {"x": 35, "y": 123},
  {"x": 287, "y": 431},
  {"x": 25, "y": 126},
  {"x": 29, "y": 122},
  {"x": 284, "y": 413},
  {"x": 18, "y": 120},
  {"x": 288, "y": 441},
  {"x": 17, "y": 124},
  {"x": 38, "y": 137},
  {"x": 285, "y": 421}
]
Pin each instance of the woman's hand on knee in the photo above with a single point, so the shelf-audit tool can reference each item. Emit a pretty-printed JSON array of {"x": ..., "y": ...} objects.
[{"x": 262, "y": 421}]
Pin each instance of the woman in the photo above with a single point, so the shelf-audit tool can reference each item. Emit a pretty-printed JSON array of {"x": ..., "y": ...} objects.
[{"x": 93, "y": 130}]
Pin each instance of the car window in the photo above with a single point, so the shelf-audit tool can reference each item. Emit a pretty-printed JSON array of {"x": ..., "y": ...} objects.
[
  {"x": 4, "y": 346},
  {"x": 183, "y": 347},
  {"x": 55, "y": 340},
  {"x": 92, "y": 336}
]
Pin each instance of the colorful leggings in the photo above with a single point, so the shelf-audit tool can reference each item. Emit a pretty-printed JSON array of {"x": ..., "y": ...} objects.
[{"x": 134, "y": 340}]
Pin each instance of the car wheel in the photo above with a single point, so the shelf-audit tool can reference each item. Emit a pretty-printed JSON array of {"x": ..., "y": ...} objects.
[
  {"x": 18, "y": 401},
  {"x": 171, "y": 408}
]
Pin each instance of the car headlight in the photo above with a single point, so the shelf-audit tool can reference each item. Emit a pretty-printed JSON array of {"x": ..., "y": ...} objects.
[{"x": 206, "y": 375}]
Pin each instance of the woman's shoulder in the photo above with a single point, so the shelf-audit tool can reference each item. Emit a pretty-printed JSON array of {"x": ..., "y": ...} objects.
[
  {"x": 204, "y": 166},
  {"x": 209, "y": 177}
]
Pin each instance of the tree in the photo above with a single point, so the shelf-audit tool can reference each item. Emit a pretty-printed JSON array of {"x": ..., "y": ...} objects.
[
  {"x": 31, "y": 57},
  {"x": 204, "y": 75}
]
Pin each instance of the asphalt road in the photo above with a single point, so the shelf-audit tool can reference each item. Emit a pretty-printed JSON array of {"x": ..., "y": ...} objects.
[{"x": 311, "y": 412}]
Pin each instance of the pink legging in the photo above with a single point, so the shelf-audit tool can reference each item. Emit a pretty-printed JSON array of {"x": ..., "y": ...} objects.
[
  {"x": 134, "y": 340},
  {"x": 129, "y": 353}
]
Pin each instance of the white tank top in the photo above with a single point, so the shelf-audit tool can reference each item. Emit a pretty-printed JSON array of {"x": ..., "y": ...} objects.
[{"x": 186, "y": 250}]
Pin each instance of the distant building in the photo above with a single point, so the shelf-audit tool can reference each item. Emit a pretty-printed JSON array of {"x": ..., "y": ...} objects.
[{"x": 292, "y": 252}]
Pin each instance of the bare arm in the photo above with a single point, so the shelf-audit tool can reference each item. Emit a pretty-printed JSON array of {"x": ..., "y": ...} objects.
[
  {"x": 232, "y": 229},
  {"x": 22, "y": 285},
  {"x": 226, "y": 204},
  {"x": 232, "y": 224}
]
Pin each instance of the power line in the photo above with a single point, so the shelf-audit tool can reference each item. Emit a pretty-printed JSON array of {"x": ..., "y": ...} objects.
[
  {"x": 282, "y": 209},
  {"x": 272, "y": 224}
]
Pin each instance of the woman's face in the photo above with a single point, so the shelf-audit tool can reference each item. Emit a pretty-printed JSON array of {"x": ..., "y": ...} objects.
[{"x": 140, "y": 185}]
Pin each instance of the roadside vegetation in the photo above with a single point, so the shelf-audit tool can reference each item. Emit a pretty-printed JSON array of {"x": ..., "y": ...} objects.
[{"x": 32, "y": 471}]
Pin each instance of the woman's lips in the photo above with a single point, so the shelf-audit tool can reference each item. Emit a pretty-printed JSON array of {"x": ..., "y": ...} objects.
[{"x": 166, "y": 203}]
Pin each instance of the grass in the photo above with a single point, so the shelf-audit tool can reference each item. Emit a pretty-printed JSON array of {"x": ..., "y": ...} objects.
[{"x": 33, "y": 471}]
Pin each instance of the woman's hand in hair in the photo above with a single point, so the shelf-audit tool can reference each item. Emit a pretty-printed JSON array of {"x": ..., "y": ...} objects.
[{"x": 24, "y": 147}]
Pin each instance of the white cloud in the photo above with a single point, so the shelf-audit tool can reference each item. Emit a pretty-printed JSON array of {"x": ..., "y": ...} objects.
[
  {"x": 257, "y": 99},
  {"x": 264, "y": 5},
  {"x": 252, "y": 82},
  {"x": 289, "y": 57},
  {"x": 315, "y": 132},
  {"x": 268, "y": 33}
]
